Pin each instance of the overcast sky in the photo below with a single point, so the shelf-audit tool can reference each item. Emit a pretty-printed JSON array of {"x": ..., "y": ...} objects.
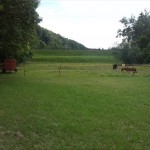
[{"x": 93, "y": 23}]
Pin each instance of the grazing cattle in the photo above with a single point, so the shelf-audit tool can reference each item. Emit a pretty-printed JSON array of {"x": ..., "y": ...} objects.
[
  {"x": 129, "y": 69},
  {"x": 115, "y": 66}
]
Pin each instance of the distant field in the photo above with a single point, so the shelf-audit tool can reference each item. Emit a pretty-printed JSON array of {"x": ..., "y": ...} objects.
[
  {"x": 73, "y": 52},
  {"x": 73, "y": 56},
  {"x": 74, "y": 105}
]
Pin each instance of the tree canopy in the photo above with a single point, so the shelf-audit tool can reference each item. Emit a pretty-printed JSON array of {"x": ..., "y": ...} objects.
[
  {"x": 135, "y": 46},
  {"x": 18, "y": 20}
]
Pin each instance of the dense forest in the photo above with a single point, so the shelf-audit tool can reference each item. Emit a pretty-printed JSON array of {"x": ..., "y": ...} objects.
[{"x": 46, "y": 39}]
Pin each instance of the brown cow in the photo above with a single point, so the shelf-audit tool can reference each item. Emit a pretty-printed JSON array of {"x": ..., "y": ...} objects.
[{"x": 129, "y": 69}]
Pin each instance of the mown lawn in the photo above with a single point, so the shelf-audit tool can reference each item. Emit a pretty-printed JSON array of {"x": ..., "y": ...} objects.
[{"x": 72, "y": 106}]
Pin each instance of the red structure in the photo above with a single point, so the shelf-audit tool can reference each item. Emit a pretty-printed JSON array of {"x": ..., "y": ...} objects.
[{"x": 9, "y": 65}]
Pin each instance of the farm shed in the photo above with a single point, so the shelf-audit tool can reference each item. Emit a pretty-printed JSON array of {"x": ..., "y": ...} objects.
[{"x": 9, "y": 65}]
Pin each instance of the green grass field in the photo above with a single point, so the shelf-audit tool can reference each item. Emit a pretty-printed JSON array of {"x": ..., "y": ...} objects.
[{"x": 76, "y": 103}]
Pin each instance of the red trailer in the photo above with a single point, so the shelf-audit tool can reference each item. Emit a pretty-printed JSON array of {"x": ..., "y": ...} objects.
[{"x": 9, "y": 65}]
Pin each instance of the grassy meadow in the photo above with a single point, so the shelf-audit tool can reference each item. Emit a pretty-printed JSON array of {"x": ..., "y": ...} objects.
[{"x": 74, "y": 100}]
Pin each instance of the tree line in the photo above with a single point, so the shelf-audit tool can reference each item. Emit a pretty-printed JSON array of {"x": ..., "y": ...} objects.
[
  {"x": 135, "y": 45},
  {"x": 46, "y": 39}
]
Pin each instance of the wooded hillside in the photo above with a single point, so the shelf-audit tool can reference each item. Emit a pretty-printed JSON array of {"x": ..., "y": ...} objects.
[{"x": 46, "y": 39}]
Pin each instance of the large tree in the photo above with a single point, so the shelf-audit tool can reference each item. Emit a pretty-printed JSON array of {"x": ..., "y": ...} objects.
[
  {"x": 135, "y": 47},
  {"x": 18, "y": 20}
]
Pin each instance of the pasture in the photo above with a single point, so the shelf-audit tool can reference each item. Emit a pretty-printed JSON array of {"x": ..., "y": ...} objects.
[{"x": 72, "y": 100}]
